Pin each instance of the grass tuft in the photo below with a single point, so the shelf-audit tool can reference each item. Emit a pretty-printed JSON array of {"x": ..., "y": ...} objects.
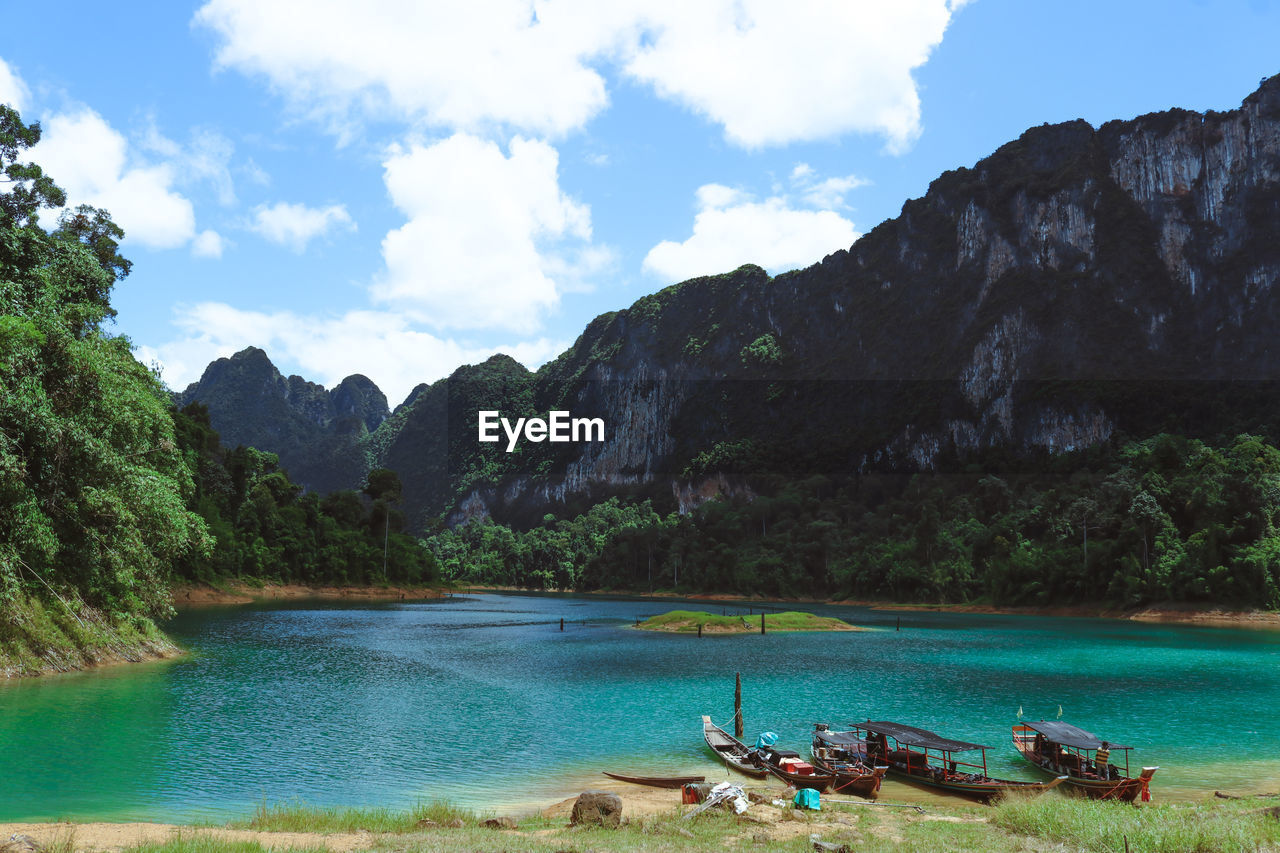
[
  {"x": 199, "y": 843},
  {"x": 301, "y": 817},
  {"x": 687, "y": 622},
  {"x": 1098, "y": 825},
  {"x": 38, "y": 637}
]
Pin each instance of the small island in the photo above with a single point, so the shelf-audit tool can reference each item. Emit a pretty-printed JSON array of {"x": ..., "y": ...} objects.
[{"x": 689, "y": 621}]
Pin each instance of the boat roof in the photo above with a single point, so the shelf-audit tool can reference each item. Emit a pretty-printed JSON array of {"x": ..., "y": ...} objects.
[
  {"x": 1069, "y": 735},
  {"x": 839, "y": 738},
  {"x": 911, "y": 736}
]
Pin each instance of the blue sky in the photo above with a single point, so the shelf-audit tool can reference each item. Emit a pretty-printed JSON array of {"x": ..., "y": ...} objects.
[{"x": 395, "y": 188}]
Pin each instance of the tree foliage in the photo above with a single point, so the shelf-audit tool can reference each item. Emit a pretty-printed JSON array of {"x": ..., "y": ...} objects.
[
  {"x": 1165, "y": 519},
  {"x": 93, "y": 488},
  {"x": 265, "y": 528}
]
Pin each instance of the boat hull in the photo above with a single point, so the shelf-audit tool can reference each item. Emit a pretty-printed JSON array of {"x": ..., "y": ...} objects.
[
  {"x": 860, "y": 783},
  {"x": 1126, "y": 789},
  {"x": 656, "y": 781},
  {"x": 735, "y": 754},
  {"x": 852, "y": 776},
  {"x": 985, "y": 791}
]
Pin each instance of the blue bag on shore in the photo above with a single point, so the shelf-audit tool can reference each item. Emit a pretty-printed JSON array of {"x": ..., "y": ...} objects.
[{"x": 807, "y": 798}]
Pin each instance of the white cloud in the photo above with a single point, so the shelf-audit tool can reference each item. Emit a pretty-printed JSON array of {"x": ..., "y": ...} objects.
[
  {"x": 205, "y": 159},
  {"x": 13, "y": 91},
  {"x": 779, "y": 71},
  {"x": 295, "y": 225},
  {"x": 731, "y": 229},
  {"x": 769, "y": 71},
  {"x": 207, "y": 244},
  {"x": 96, "y": 165},
  {"x": 255, "y": 173},
  {"x": 381, "y": 345},
  {"x": 92, "y": 162},
  {"x": 827, "y": 193},
  {"x": 459, "y": 65},
  {"x": 491, "y": 242}
]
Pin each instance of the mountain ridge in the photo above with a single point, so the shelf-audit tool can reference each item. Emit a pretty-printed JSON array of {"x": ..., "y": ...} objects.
[{"x": 1076, "y": 284}]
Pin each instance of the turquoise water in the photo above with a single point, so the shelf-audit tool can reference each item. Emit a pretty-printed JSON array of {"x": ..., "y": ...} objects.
[{"x": 481, "y": 700}]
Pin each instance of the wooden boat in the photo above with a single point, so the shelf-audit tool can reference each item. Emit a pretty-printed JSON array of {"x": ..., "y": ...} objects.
[
  {"x": 733, "y": 752},
  {"x": 790, "y": 768},
  {"x": 844, "y": 754},
  {"x": 922, "y": 757},
  {"x": 656, "y": 781},
  {"x": 1061, "y": 748}
]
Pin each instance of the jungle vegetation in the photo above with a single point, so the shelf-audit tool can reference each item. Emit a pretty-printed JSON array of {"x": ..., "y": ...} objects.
[{"x": 1167, "y": 518}]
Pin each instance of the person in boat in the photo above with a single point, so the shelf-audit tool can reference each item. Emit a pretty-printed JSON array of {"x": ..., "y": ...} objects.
[
  {"x": 1102, "y": 761},
  {"x": 877, "y": 748}
]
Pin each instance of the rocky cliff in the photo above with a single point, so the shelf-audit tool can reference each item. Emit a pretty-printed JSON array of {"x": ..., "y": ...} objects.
[
  {"x": 316, "y": 433},
  {"x": 1076, "y": 285}
]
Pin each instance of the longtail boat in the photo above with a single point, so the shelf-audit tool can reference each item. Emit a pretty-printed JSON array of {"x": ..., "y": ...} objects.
[
  {"x": 1058, "y": 747},
  {"x": 920, "y": 756},
  {"x": 655, "y": 781},
  {"x": 845, "y": 754},
  {"x": 733, "y": 752}
]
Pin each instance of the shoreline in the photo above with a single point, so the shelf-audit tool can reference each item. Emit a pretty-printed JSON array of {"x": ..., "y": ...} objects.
[
  {"x": 92, "y": 658},
  {"x": 1217, "y": 616},
  {"x": 203, "y": 595},
  {"x": 200, "y": 595},
  {"x": 652, "y": 819}
]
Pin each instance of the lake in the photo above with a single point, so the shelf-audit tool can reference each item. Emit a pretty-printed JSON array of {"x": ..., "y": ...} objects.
[{"x": 482, "y": 701}]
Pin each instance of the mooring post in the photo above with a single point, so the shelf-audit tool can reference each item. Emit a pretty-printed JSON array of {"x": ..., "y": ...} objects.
[
  {"x": 899, "y": 628},
  {"x": 761, "y": 621},
  {"x": 737, "y": 706},
  {"x": 561, "y": 623},
  {"x": 699, "y": 629}
]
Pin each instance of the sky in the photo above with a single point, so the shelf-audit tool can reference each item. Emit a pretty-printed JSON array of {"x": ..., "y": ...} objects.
[{"x": 400, "y": 187}]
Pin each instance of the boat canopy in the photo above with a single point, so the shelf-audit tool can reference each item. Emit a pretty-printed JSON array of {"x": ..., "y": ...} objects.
[
  {"x": 839, "y": 738},
  {"x": 911, "y": 736},
  {"x": 1069, "y": 735}
]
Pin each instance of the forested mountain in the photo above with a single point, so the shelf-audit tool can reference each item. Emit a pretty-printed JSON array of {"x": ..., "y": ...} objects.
[
  {"x": 1080, "y": 287},
  {"x": 264, "y": 527},
  {"x": 316, "y": 433}
]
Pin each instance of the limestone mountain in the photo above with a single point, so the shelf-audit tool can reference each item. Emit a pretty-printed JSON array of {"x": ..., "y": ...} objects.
[
  {"x": 1077, "y": 286},
  {"x": 315, "y": 432}
]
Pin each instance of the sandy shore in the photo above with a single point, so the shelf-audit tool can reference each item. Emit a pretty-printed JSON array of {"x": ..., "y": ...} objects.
[
  {"x": 763, "y": 822},
  {"x": 201, "y": 596},
  {"x": 119, "y": 836}
]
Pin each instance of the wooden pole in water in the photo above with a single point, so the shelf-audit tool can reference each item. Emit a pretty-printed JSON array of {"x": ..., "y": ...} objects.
[
  {"x": 699, "y": 629},
  {"x": 561, "y": 623},
  {"x": 761, "y": 621},
  {"x": 737, "y": 706},
  {"x": 899, "y": 628}
]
